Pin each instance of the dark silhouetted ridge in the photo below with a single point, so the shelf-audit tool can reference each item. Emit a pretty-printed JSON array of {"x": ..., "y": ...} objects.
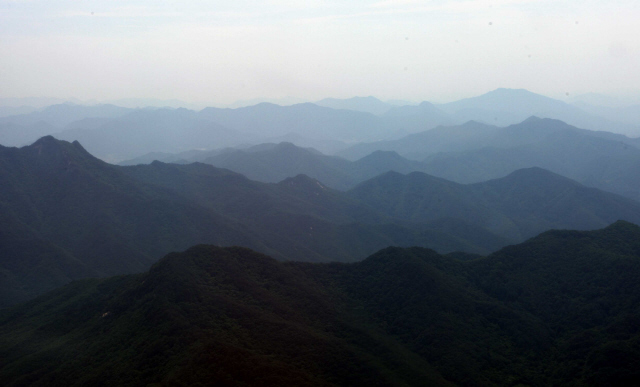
[{"x": 558, "y": 309}]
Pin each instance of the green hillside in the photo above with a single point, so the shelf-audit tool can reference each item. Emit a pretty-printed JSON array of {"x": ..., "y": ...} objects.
[{"x": 559, "y": 309}]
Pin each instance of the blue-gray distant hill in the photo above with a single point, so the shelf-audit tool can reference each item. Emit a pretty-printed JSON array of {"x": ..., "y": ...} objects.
[
  {"x": 476, "y": 152},
  {"x": 608, "y": 163},
  {"x": 64, "y": 114},
  {"x": 626, "y": 114},
  {"x": 509, "y": 106},
  {"x": 144, "y": 131},
  {"x": 361, "y": 104},
  {"x": 272, "y": 163},
  {"x": 417, "y": 118},
  {"x": 518, "y": 206},
  {"x": 419, "y": 145},
  {"x": 307, "y": 119},
  {"x": 178, "y": 130},
  {"x": 24, "y": 129},
  {"x": 468, "y": 153},
  {"x": 115, "y": 133}
]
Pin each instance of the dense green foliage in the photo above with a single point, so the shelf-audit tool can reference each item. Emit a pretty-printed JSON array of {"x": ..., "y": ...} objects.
[
  {"x": 559, "y": 309},
  {"x": 209, "y": 316}
]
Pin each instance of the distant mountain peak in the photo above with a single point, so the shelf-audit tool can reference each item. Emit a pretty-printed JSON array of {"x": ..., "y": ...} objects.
[
  {"x": 291, "y": 147},
  {"x": 477, "y": 124},
  {"x": 532, "y": 119},
  {"x": 369, "y": 104},
  {"x": 383, "y": 154},
  {"x": 547, "y": 123},
  {"x": 266, "y": 104},
  {"x": 533, "y": 171},
  {"x": 517, "y": 94},
  {"x": 49, "y": 145},
  {"x": 303, "y": 182},
  {"x": 533, "y": 175},
  {"x": 369, "y": 98},
  {"x": 537, "y": 177},
  {"x": 301, "y": 178},
  {"x": 52, "y": 149},
  {"x": 515, "y": 100},
  {"x": 507, "y": 93},
  {"x": 506, "y": 90},
  {"x": 79, "y": 147},
  {"x": 45, "y": 141},
  {"x": 286, "y": 145},
  {"x": 623, "y": 224}
]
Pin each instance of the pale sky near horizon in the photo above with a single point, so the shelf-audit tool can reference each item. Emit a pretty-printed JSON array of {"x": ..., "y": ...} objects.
[{"x": 223, "y": 51}]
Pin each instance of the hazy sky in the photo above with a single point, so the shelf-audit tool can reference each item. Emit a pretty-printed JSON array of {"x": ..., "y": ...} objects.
[{"x": 222, "y": 51}]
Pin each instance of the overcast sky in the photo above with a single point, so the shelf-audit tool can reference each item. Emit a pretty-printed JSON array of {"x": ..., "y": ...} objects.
[{"x": 222, "y": 51}]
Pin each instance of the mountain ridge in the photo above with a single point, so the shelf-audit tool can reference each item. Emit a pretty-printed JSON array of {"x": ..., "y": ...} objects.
[
  {"x": 104, "y": 220},
  {"x": 520, "y": 205},
  {"x": 532, "y": 313}
]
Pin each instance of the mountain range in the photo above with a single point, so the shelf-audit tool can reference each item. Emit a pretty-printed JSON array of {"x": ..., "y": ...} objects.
[
  {"x": 559, "y": 309},
  {"x": 504, "y": 107},
  {"x": 475, "y": 135},
  {"x": 468, "y": 153},
  {"x": 475, "y": 152},
  {"x": 518, "y": 206},
  {"x": 361, "y": 104},
  {"x": 83, "y": 217},
  {"x": 116, "y": 133},
  {"x": 354, "y": 243}
]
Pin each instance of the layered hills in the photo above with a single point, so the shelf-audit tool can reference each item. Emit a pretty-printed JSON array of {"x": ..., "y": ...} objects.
[
  {"x": 476, "y": 152},
  {"x": 361, "y": 104},
  {"x": 518, "y": 206},
  {"x": 82, "y": 217},
  {"x": 143, "y": 131},
  {"x": 477, "y": 135},
  {"x": 559, "y": 309},
  {"x": 458, "y": 308},
  {"x": 468, "y": 153},
  {"x": 303, "y": 219},
  {"x": 116, "y": 133},
  {"x": 504, "y": 107},
  {"x": 597, "y": 162}
]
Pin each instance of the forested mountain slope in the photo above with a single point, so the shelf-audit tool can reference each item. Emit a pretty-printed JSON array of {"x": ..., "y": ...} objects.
[{"x": 559, "y": 309}]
